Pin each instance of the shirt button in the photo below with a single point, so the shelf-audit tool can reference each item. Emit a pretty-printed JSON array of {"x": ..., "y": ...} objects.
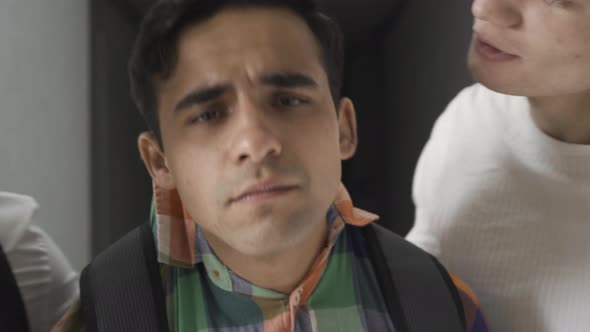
[{"x": 297, "y": 296}]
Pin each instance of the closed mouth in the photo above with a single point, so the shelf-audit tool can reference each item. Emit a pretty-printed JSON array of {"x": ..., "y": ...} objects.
[{"x": 262, "y": 192}]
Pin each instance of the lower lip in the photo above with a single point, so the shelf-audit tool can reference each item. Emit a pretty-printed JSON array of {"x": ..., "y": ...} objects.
[
  {"x": 265, "y": 195},
  {"x": 491, "y": 53}
]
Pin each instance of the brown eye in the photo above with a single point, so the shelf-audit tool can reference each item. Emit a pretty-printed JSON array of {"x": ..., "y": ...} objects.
[
  {"x": 207, "y": 116},
  {"x": 289, "y": 101}
]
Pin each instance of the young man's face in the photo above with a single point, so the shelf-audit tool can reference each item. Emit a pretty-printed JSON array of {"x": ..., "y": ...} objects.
[
  {"x": 545, "y": 44},
  {"x": 251, "y": 137}
]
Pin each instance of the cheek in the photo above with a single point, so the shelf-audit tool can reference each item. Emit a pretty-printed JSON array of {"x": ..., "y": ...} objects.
[
  {"x": 562, "y": 43},
  {"x": 195, "y": 176},
  {"x": 579, "y": 60},
  {"x": 568, "y": 69},
  {"x": 322, "y": 150},
  {"x": 321, "y": 134}
]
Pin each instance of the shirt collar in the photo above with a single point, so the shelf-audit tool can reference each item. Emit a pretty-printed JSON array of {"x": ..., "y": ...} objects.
[{"x": 180, "y": 244}]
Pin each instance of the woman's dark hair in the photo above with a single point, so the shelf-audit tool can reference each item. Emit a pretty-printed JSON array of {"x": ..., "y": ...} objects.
[{"x": 154, "y": 54}]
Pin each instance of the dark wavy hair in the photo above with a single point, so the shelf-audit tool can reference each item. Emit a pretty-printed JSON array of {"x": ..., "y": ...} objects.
[{"x": 154, "y": 53}]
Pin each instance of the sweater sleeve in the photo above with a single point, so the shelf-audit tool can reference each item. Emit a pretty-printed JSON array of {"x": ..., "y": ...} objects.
[
  {"x": 427, "y": 178},
  {"x": 46, "y": 280}
]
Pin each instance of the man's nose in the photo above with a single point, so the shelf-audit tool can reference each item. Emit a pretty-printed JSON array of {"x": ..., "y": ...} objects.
[
  {"x": 502, "y": 13},
  {"x": 255, "y": 137}
]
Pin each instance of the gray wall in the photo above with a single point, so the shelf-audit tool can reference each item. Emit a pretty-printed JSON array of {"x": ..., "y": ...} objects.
[{"x": 44, "y": 115}]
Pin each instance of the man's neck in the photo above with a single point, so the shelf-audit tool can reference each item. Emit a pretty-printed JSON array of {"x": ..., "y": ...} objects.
[
  {"x": 282, "y": 271},
  {"x": 565, "y": 118}
]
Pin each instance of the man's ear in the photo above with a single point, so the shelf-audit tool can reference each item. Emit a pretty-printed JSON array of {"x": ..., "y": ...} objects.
[
  {"x": 347, "y": 128},
  {"x": 155, "y": 160}
]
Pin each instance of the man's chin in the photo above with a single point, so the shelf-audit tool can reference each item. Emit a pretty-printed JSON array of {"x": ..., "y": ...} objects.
[
  {"x": 264, "y": 245},
  {"x": 269, "y": 236}
]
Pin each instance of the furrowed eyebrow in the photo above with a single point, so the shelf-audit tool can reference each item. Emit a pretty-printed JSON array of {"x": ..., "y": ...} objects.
[
  {"x": 201, "y": 96},
  {"x": 276, "y": 79},
  {"x": 288, "y": 80}
]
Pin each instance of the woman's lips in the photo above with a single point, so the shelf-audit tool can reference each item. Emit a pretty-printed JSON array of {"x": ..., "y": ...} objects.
[{"x": 490, "y": 52}]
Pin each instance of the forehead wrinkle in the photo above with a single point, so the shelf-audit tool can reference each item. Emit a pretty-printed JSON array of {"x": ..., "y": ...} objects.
[{"x": 217, "y": 50}]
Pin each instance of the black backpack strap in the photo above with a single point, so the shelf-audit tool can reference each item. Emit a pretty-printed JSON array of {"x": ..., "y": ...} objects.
[
  {"x": 13, "y": 316},
  {"x": 418, "y": 291},
  {"x": 121, "y": 289}
]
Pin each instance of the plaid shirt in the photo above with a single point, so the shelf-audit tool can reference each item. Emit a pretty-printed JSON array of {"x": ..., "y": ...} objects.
[{"x": 339, "y": 293}]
